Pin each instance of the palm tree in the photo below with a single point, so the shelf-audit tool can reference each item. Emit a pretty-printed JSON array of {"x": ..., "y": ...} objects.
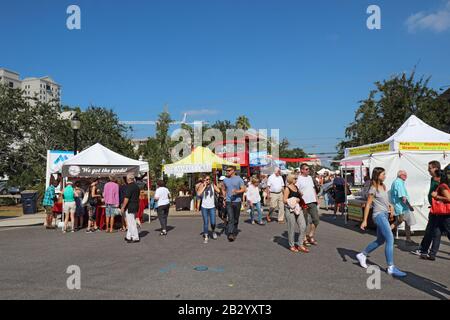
[{"x": 242, "y": 122}]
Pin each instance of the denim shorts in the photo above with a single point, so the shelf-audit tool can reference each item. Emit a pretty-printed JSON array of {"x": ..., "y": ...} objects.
[{"x": 111, "y": 211}]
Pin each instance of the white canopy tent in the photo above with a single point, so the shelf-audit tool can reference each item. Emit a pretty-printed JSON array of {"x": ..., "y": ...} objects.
[
  {"x": 98, "y": 161},
  {"x": 411, "y": 148}
]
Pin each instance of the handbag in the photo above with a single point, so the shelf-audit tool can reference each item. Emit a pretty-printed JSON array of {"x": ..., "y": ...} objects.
[{"x": 440, "y": 207}]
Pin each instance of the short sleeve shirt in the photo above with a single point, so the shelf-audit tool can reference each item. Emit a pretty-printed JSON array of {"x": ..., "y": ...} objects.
[
  {"x": 163, "y": 195},
  {"x": 275, "y": 183},
  {"x": 233, "y": 183},
  {"x": 132, "y": 194},
  {"x": 380, "y": 200}
]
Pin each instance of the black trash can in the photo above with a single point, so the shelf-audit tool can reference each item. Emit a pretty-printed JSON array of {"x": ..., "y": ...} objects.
[{"x": 29, "y": 201}]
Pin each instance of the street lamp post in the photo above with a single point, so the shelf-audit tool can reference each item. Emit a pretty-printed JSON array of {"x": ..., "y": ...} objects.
[
  {"x": 163, "y": 162},
  {"x": 75, "y": 123}
]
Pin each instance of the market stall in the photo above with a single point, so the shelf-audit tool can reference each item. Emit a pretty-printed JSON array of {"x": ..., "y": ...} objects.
[
  {"x": 411, "y": 148},
  {"x": 200, "y": 160},
  {"x": 98, "y": 161}
]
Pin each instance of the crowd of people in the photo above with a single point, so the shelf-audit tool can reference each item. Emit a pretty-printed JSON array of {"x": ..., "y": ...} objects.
[{"x": 295, "y": 197}]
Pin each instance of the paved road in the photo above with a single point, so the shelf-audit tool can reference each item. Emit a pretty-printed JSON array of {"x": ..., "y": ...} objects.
[{"x": 257, "y": 266}]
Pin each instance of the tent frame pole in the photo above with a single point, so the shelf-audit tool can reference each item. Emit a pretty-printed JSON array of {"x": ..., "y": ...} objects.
[{"x": 148, "y": 197}]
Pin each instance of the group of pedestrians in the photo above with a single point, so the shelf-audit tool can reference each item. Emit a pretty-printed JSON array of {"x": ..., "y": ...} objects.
[
  {"x": 390, "y": 211},
  {"x": 120, "y": 197}
]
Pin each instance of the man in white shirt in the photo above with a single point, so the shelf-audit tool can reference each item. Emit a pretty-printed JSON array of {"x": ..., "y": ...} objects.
[
  {"x": 305, "y": 184},
  {"x": 275, "y": 187}
]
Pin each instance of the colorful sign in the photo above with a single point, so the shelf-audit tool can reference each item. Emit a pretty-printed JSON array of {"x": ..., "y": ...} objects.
[
  {"x": 55, "y": 160},
  {"x": 258, "y": 159},
  {"x": 358, "y": 151},
  {"x": 425, "y": 146}
]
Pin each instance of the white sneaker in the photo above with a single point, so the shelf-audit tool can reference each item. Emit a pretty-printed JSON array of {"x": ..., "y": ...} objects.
[
  {"x": 205, "y": 239},
  {"x": 362, "y": 260},
  {"x": 214, "y": 235}
]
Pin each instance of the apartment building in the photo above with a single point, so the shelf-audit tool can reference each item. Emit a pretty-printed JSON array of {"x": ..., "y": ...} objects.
[{"x": 45, "y": 89}]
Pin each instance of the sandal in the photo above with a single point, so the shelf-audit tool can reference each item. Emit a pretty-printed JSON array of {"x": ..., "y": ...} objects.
[
  {"x": 306, "y": 243},
  {"x": 311, "y": 240},
  {"x": 302, "y": 249},
  {"x": 293, "y": 249}
]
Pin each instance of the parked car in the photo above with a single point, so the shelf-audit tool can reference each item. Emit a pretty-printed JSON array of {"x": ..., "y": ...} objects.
[
  {"x": 15, "y": 190},
  {"x": 3, "y": 188}
]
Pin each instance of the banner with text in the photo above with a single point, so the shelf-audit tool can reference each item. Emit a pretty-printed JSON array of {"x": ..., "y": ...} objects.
[{"x": 83, "y": 171}]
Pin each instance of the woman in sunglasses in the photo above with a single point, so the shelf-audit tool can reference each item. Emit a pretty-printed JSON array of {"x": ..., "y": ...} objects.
[{"x": 207, "y": 192}]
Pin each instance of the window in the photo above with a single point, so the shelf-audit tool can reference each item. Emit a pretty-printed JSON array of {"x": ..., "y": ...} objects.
[
  {"x": 47, "y": 87},
  {"x": 11, "y": 84}
]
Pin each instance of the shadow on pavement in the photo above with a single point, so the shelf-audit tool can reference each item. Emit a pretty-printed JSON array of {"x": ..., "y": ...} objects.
[
  {"x": 143, "y": 234},
  {"x": 283, "y": 240},
  {"x": 428, "y": 286}
]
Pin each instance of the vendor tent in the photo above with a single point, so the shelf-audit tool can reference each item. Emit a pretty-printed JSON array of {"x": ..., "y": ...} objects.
[
  {"x": 200, "y": 160},
  {"x": 99, "y": 161},
  {"x": 411, "y": 148}
]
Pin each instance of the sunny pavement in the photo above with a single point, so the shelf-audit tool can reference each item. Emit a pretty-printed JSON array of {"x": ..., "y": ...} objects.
[{"x": 257, "y": 265}]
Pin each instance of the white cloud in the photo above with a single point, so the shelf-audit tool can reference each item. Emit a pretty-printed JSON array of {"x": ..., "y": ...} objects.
[
  {"x": 437, "y": 21},
  {"x": 198, "y": 112}
]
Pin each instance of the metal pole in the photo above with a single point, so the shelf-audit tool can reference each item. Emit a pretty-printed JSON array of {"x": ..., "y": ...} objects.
[
  {"x": 345, "y": 192},
  {"x": 75, "y": 142},
  {"x": 148, "y": 197}
]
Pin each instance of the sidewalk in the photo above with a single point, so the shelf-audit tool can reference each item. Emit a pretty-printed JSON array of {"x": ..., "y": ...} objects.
[{"x": 37, "y": 219}]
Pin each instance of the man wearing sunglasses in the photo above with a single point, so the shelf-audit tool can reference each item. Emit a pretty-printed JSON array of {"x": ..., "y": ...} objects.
[
  {"x": 305, "y": 184},
  {"x": 233, "y": 192}
]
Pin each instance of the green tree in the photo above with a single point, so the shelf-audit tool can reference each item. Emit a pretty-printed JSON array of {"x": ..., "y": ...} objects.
[
  {"x": 242, "y": 122},
  {"x": 389, "y": 105}
]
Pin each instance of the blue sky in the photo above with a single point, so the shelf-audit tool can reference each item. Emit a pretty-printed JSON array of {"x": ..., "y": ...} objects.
[{"x": 300, "y": 66}]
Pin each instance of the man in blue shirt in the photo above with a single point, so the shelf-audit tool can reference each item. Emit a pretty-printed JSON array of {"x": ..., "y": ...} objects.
[
  {"x": 234, "y": 190},
  {"x": 400, "y": 200}
]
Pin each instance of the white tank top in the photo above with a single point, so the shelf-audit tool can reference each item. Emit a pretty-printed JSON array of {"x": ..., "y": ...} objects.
[{"x": 208, "y": 200}]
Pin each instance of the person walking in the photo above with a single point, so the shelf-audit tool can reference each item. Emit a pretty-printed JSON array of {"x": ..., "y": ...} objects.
[
  {"x": 112, "y": 203},
  {"x": 440, "y": 210},
  {"x": 263, "y": 187},
  {"x": 275, "y": 187},
  {"x": 254, "y": 201},
  {"x": 382, "y": 211},
  {"x": 340, "y": 188},
  {"x": 306, "y": 186},
  {"x": 221, "y": 203},
  {"x": 130, "y": 207},
  {"x": 162, "y": 197},
  {"x": 122, "y": 190},
  {"x": 48, "y": 202},
  {"x": 207, "y": 192},
  {"x": 294, "y": 215},
  {"x": 326, "y": 185},
  {"x": 434, "y": 169},
  {"x": 400, "y": 200},
  {"x": 197, "y": 199},
  {"x": 234, "y": 189},
  {"x": 69, "y": 206}
]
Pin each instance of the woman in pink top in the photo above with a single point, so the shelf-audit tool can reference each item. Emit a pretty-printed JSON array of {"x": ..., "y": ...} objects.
[{"x": 111, "y": 198}]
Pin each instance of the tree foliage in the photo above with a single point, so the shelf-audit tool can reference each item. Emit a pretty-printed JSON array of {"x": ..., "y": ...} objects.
[
  {"x": 389, "y": 105},
  {"x": 29, "y": 128}
]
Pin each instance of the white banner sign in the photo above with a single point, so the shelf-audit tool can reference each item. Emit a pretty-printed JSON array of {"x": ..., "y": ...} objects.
[
  {"x": 187, "y": 168},
  {"x": 55, "y": 160}
]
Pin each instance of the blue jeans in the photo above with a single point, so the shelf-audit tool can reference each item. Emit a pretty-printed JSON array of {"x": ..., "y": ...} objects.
[
  {"x": 208, "y": 214},
  {"x": 384, "y": 234},
  {"x": 326, "y": 199},
  {"x": 256, "y": 206}
]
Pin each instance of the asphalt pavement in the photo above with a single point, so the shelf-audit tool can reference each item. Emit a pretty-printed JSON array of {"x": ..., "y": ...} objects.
[{"x": 257, "y": 266}]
